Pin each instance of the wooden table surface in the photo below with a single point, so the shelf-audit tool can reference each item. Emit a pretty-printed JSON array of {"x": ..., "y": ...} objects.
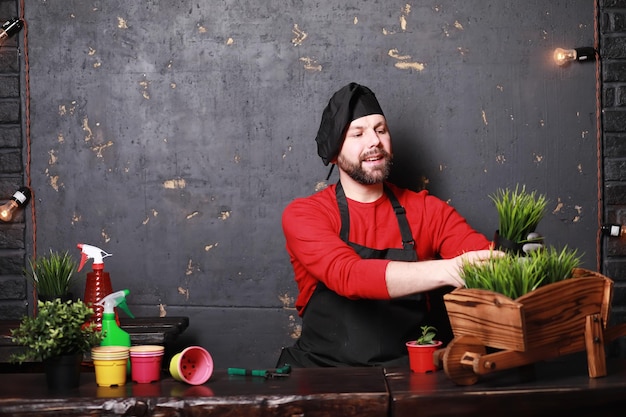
[
  {"x": 560, "y": 387},
  {"x": 305, "y": 392},
  {"x": 548, "y": 388}
]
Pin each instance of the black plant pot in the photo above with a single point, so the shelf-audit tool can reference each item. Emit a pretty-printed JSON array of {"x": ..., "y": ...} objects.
[
  {"x": 63, "y": 372},
  {"x": 507, "y": 245}
]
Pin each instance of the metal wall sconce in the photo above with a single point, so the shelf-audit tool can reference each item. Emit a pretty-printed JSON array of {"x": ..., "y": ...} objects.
[
  {"x": 613, "y": 230},
  {"x": 10, "y": 28},
  {"x": 17, "y": 202},
  {"x": 565, "y": 56}
]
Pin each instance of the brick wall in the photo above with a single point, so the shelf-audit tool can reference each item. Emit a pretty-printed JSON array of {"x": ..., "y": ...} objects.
[
  {"x": 12, "y": 162},
  {"x": 613, "y": 55}
]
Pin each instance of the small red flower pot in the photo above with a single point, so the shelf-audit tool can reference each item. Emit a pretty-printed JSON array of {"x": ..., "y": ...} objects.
[{"x": 421, "y": 357}]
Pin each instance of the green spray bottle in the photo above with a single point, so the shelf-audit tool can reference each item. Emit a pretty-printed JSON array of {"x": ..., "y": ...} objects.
[{"x": 113, "y": 334}]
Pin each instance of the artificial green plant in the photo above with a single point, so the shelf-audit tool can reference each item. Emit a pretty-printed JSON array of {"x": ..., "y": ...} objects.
[
  {"x": 59, "y": 328},
  {"x": 519, "y": 212},
  {"x": 52, "y": 274},
  {"x": 514, "y": 276}
]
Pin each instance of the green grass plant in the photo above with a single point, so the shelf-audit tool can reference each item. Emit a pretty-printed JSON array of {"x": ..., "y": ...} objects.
[
  {"x": 514, "y": 276},
  {"x": 52, "y": 274},
  {"x": 519, "y": 212}
]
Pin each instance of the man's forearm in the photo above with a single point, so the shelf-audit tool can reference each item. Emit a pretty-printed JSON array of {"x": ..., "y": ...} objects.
[{"x": 405, "y": 278}]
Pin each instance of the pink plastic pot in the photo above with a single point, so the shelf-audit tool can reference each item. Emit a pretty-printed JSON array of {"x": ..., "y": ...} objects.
[
  {"x": 194, "y": 365},
  {"x": 146, "y": 369},
  {"x": 146, "y": 363}
]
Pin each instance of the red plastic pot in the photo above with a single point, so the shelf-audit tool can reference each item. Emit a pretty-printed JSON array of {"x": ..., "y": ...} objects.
[{"x": 421, "y": 357}]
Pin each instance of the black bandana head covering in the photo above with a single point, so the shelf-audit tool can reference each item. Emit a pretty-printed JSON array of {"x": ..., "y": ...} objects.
[{"x": 347, "y": 104}]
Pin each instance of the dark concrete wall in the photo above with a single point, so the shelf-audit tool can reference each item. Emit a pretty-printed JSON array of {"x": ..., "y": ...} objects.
[{"x": 173, "y": 133}]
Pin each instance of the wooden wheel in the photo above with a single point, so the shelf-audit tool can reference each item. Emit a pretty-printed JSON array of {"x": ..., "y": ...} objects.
[{"x": 459, "y": 357}]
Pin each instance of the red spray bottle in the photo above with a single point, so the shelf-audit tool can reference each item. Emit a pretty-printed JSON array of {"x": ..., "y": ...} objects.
[{"x": 98, "y": 283}]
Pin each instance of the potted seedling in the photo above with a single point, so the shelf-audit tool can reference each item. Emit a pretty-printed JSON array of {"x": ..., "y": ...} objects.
[
  {"x": 519, "y": 213},
  {"x": 421, "y": 350},
  {"x": 58, "y": 337},
  {"x": 52, "y": 275}
]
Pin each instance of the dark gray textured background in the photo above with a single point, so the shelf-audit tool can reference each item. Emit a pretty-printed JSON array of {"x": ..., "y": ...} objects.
[{"x": 173, "y": 133}]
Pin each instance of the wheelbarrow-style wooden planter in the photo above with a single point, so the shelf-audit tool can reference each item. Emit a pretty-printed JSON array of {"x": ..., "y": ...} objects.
[{"x": 557, "y": 319}]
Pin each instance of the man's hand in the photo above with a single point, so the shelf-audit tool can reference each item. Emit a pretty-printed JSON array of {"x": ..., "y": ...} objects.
[
  {"x": 474, "y": 257},
  {"x": 405, "y": 278}
]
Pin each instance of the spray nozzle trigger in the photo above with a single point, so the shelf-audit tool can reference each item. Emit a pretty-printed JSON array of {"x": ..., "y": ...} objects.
[
  {"x": 91, "y": 252},
  {"x": 116, "y": 299}
]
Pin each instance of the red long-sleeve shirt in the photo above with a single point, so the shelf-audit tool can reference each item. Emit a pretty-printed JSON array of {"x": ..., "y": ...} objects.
[{"x": 311, "y": 226}]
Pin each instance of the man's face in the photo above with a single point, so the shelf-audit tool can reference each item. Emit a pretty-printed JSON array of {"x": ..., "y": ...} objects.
[{"x": 366, "y": 151}]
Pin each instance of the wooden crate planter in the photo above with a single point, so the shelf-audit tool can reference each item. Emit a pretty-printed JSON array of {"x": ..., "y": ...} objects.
[{"x": 554, "y": 320}]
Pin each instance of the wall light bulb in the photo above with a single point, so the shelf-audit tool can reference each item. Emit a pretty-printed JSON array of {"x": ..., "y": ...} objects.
[
  {"x": 565, "y": 56},
  {"x": 17, "y": 201}
]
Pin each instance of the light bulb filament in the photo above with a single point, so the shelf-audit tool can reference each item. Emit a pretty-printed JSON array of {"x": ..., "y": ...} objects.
[{"x": 563, "y": 56}]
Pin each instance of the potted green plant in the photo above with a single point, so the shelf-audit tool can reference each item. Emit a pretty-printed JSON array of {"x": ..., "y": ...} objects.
[
  {"x": 519, "y": 213},
  {"x": 58, "y": 336},
  {"x": 52, "y": 275},
  {"x": 422, "y": 350}
]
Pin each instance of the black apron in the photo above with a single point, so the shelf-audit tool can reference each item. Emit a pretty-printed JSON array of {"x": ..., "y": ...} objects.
[{"x": 337, "y": 331}]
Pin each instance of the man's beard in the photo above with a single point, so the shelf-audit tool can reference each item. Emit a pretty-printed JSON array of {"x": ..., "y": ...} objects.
[{"x": 358, "y": 174}]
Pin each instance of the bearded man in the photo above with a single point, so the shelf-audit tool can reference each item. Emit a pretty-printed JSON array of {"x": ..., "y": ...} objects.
[{"x": 371, "y": 260}]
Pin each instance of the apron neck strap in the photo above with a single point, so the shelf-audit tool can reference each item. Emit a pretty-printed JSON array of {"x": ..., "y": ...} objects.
[{"x": 405, "y": 229}]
